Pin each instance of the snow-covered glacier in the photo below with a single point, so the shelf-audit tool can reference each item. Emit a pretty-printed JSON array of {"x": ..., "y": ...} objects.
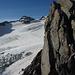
[{"x": 19, "y": 44}]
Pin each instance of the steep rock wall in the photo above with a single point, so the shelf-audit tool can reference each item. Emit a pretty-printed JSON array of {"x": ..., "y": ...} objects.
[{"x": 58, "y": 55}]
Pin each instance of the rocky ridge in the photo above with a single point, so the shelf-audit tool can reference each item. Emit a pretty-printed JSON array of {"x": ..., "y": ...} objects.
[
  {"x": 59, "y": 43},
  {"x": 4, "y": 23},
  {"x": 58, "y": 54},
  {"x": 26, "y": 19},
  {"x": 43, "y": 17}
]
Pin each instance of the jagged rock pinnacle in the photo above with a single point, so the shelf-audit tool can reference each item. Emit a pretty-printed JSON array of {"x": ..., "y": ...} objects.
[
  {"x": 59, "y": 44},
  {"x": 58, "y": 54}
]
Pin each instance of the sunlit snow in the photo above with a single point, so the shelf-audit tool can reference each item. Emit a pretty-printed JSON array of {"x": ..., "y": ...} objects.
[{"x": 19, "y": 44}]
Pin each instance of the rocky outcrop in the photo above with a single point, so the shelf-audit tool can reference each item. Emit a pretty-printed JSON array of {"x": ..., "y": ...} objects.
[
  {"x": 58, "y": 54},
  {"x": 26, "y": 19},
  {"x": 43, "y": 17},
  {"x": 35, "y": 67},
  {"x": 4, "y": 23}
]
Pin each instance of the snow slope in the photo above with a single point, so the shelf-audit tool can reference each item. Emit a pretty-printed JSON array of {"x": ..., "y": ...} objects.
[{"x": 19, "y": 44}]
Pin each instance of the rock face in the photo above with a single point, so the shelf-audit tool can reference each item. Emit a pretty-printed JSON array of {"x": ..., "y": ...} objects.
[
  {"x": 35, "y": 67},
  {"x": 58, "y": 55}
]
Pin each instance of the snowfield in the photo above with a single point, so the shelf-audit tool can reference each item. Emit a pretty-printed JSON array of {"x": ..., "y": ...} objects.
[{"x": 19, "y": 44}]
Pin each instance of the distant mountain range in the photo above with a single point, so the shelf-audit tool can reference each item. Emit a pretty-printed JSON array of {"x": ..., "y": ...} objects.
[{"x": 24, "y": 19}]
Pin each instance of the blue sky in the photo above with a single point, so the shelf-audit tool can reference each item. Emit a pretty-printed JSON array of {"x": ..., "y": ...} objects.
[{"x": 15, "y": 9}]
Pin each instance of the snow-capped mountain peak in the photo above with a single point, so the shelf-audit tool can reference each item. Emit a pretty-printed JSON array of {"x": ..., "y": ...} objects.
[
  {"x": 26, "y": 19},
  {"x": 43, "y": 17}
]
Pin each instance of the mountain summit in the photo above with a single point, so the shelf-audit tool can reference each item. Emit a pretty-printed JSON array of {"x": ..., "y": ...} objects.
[
  {"x": 43, "y": 17},
  {"x": 26, "y": 19}
]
